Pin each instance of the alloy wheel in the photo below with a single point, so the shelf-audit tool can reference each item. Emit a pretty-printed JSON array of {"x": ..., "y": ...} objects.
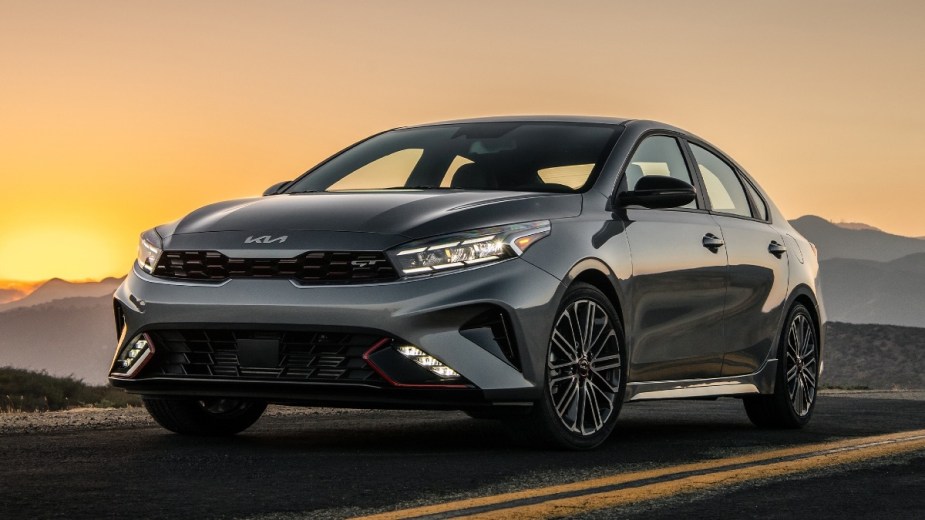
[
  {"x": 584, "y": 367},
  {"x": 801, "y": 367}
]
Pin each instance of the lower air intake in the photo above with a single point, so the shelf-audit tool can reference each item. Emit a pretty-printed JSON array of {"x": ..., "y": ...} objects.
[{"x": 329, "y": 357}]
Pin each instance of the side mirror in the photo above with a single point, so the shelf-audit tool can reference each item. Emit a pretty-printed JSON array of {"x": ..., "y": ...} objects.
[
  {"x": 273, "y": 190},
  {"x": 658, "y": 192}
]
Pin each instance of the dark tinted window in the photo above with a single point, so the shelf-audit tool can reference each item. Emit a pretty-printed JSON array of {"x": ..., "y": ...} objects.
[
  {"x": 721, "y": 183},
  {"x": 552, "y": 157}
]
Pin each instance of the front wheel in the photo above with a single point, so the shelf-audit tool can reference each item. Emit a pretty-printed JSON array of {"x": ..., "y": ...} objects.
[
  {"x": 585, "y": 379},
  {"x": 213, "y": 417},
  {"x": 794, "y": 398}
]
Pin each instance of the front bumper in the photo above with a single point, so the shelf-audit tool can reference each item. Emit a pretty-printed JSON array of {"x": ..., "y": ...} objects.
[{"x": 427, "y": 313}]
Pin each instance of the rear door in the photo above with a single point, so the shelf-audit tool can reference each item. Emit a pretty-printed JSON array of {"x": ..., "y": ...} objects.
[
  {"x": 758, "y": 270},
  {"x": 677, "y": 290}
]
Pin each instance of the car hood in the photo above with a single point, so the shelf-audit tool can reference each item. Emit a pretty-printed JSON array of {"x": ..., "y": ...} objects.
[{"x": 410, "y": 214}]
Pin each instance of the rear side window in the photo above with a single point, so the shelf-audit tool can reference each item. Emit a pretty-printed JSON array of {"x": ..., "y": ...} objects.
[
  {"x": 761, "y": 209},
  {"x": 727, "y": 195},
  {"x": 658, "y": 155}
]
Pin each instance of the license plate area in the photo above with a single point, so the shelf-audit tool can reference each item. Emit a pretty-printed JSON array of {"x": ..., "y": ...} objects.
[{"x": 258, "y": 353}]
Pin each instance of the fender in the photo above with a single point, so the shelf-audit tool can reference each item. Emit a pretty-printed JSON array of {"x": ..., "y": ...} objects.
[{"x": 598, "y": 266}]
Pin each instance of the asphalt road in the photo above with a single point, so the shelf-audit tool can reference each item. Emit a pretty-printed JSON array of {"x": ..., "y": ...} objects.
[{"x": 334, "y": 464}]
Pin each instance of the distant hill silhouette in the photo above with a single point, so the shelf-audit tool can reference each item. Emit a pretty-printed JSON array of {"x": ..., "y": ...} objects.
[
  {"x": 8, "y": 295},
  {"x": 13, "y": 290},
  {"x": 868, "y": 276},
  {"x": 71, "y": 336},
  {"x": 58, "y": 289},
  {"x": 834, "y": 241},
  {"x": 862, "y": 291},
  {"x": 856, "y": 226}
]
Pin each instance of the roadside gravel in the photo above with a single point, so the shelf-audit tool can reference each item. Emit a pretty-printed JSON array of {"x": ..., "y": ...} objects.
[
  {"x": 902, "y": 395},
  {"x": 115, "y": 418}
]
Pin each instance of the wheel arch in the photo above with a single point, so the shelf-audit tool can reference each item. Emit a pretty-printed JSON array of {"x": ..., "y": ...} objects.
[
  {"x": 804, "y": 295},
  {"x": 596, "y": 273}
]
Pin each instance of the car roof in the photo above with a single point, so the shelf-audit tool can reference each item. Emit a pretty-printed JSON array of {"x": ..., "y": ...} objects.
[{"x": 530, "y": 119}]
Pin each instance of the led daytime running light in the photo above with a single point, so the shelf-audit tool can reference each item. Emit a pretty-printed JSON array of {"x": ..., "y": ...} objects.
[{"x": 427, "y": 361}]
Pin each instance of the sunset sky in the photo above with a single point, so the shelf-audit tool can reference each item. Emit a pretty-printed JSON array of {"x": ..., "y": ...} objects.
[{"x": 117, "y": 116}]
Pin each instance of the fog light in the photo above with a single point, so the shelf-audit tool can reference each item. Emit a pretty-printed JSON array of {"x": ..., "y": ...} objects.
[
  {"x": 133, "y": 357},
  {"x": 427, "y": 361}
]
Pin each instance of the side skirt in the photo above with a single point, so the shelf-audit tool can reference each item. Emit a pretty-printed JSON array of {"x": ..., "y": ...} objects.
[{"x": 759, "y": 382}]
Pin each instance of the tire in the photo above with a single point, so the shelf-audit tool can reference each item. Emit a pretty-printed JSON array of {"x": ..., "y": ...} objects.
[
  {"x": 585, "y": 375},
  {"x": 209, "y": 417},
  {"x": 795, "y": 384}
]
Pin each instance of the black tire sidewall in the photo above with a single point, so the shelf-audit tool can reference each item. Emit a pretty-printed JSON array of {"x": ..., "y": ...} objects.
[{"x": 189, "y": 417}]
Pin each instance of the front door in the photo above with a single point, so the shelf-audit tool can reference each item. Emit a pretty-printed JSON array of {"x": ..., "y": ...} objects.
[{"x": 678, "y": 287}]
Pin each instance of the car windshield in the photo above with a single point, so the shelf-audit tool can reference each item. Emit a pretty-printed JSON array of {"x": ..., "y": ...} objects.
[{"x": 524, "y": 156}]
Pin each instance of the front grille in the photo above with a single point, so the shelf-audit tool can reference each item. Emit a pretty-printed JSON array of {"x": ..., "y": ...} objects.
[
  {"x": 315, "y": 267},
  {"x": 303, "y": 356}
]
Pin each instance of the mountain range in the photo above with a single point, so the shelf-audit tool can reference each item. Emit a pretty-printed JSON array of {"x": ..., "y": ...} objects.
[
  {"x": 65, "y": 328},
  {"x": 868, "y": 243},
  {"x": 66, "y": 337},
  {"x": 868, "y": 277},
  {"x": 58, "y": 289},
  {"x": 11, "y": 290}
]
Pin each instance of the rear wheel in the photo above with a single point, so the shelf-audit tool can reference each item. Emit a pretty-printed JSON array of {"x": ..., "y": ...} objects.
[
  {"x": 214, "y": 416},
  {"x": 794, "y": 398},
  {"x": 585, "y": 378}
]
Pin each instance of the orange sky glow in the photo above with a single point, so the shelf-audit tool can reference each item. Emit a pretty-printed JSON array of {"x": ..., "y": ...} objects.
[{"x": 117, "y": 116}]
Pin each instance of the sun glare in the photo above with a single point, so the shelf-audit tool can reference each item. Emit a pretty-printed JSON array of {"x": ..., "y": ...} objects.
[{"x": 72, "y": 254}]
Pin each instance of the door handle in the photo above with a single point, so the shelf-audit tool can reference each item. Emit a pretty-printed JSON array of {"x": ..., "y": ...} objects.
[
  {"x": 776, "y": 248},
  {"x": 712, "y": 242}
]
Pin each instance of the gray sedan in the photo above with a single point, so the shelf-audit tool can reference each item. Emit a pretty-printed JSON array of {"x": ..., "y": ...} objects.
[{"x": 536, "y": 270}]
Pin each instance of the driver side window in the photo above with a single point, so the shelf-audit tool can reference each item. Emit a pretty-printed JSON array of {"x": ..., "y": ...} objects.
[{"x": 658, "y": 155}]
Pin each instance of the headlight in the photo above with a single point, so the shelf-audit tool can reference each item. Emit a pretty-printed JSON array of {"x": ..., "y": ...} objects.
[
  {"x": 469, "y": 248},
  {"x": 149, "y": 250}
]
